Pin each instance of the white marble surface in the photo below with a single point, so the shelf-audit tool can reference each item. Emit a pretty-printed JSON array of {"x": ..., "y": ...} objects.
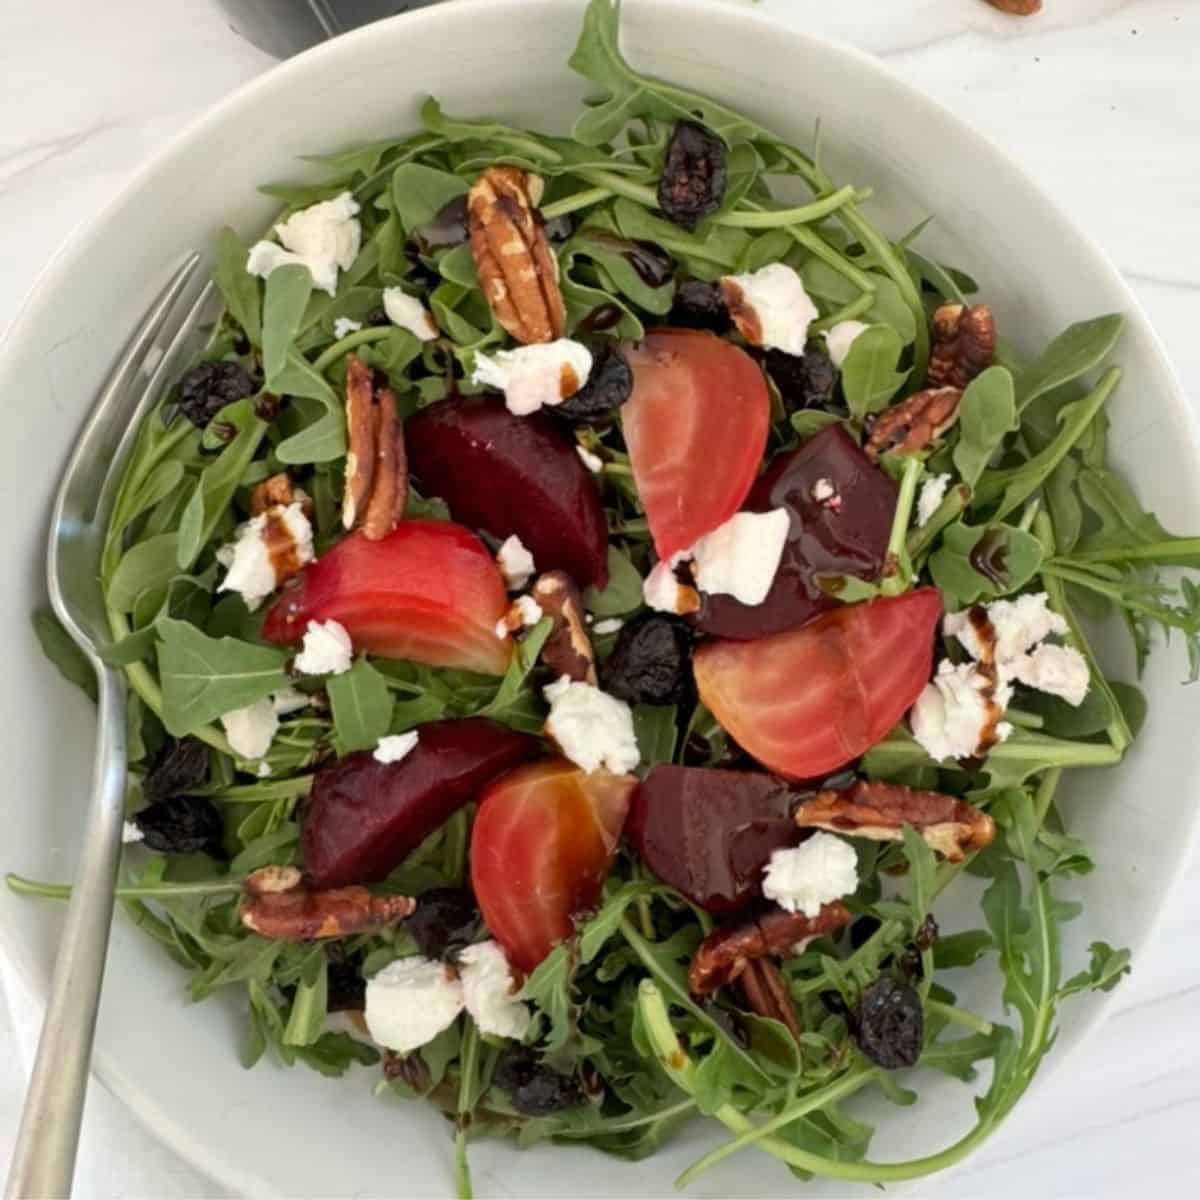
[{"x": 1098, "y": 97}]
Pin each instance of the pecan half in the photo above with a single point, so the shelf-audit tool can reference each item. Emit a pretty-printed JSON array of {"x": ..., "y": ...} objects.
[
  {"x": 568, "y": 649},
  {"x": 767, "y": 994},
  {"x": 1018, "y": 8},
  {"x": 912, "y": 424},
  {"x": 276, "y": 904},
  {"x": 726, "y": 952},
  {"x": 278, "y": 490},
  {"x": 516, "y": 266},
  {"x": 376, "y": 488},
  {"x": 964, "y": 344},
  {"x": 879, "y": 811}
]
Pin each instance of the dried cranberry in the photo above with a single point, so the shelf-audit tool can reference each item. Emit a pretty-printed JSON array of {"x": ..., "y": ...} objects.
[
  {"x": 347, "y": 989},
  {"x": 181, "y": 767},
  {"x": 445, "y": 920},
  {"x": 608, "y": 386},
  {"x": 692, "y": 184},
  {"x": 182, "y": 825},
  {"x": 209, "y": 386},
  {"x": 534, "y": 1089},
  {"x": 927, "y": 933},
  {"x": 804, "y": 381},
  {"x": 699, "y": 305},
  {"x": 890, "y": 1023},
  {"x": 651, "y": 662}
]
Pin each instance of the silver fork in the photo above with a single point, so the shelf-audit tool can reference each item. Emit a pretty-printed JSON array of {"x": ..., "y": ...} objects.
[{"x": 43, "y": 1164}]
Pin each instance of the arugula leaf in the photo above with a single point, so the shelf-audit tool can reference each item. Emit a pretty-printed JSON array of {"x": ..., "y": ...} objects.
[
  {"x": 362, "y": 707},
  {"x": 809, "y": 421},
  {"x": 509, "y": 693},
  {"x": 322, "y": 440},
  {"x": 145, "y": 567},
  {"x": 655, "y": 727},
  {"x": 287, "y": 292},
  {"x": 1104, "y": 972},
  {"x": 986, "y": 414},
  {"x": 203, "y": 677},
  {"x": 623, "y": 592},
  {"x": 869, "y": 375},
  {"x": 307, "y": 1019},
  {"x": 58, "y": 646},
  {"x": 1010, "y": 556},
  {"x": 420, "y": 193},
  {"x": 238, "y": 286},
  {"x": 1077, "y": 350}
]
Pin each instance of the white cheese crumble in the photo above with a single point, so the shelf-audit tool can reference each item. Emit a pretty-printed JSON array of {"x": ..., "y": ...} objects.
[
  {"x": 489, "y": 991},
  {"x": 265, "y": 770},
  {"x": 410, "y": 1002},
  {"x": 662, "y": 592},
  {"x": 592, "y": 728},
  {"x": 395, "y": 747},
  {"x": 593, "y": 462},
  {"x": 822, "y": 490},
  {"x": 802, "y": 878},
  {"x": 608, "y": 625},
  {"x": 933, "y": 492},
  {"x": 409, "y": 313},
  {"x": 515, "y": 563},
  {"x": 249, "y": 569},
  {"x": 251, "y": 729},
  {"x": 952, "y": 714},
  {"x": 528, "y": 611},
  {"x": 840, "y": 338},
  {"x": 345, "y": 326},
  {"x": 131, "y": 834},
  {"x": 1058, "y": 670},
  {"x": 1019, "y": 625},
  {"x": 533, "y": 377},
  {"x": 324, "y": 237},
  {"x": 740, "y": 557},
  {"x": 782, "y": 309},
  {"x": 327, "y": 649},
  {"x": 289, "y": 700}
]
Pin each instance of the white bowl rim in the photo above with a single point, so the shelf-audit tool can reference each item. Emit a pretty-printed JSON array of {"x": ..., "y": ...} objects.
[{"x": 161, "y": 1122}]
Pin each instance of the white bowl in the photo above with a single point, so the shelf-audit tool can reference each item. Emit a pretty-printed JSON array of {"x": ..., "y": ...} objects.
[{"x": 268, "y": 1132}]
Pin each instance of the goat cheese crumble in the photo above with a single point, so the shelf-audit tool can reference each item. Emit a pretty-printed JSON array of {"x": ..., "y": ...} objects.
[
  {"x": 410, "y": 1002},
  {"x": 515, "y": 563},
  {"x": 590, "y": 727},
  {"x": 803, "y": 878},
  {"x": 593, "y": 462},
  {"x": 771, "y": 307},
  {"x": 289, "y": 700},
  {"x": 250, "y": 569},
  {"x": 740, "y": 557},
  {"x": 608, "y": 625},
  {"x": 409, "y": 313},
  {"x": 489, "y": 991},
  {"x": 395, "y": 747},
  {"x": 662, "y": 592},
  {"x": 840, "y": 338},
  {"x": 344, "y": 327},
  {"x": 538, "y": 376},
  {"x": 953, "y": 712},
  {"x": 933, "y": 492},
  {"x": 324, "y": 237},
  {"x": 131, "y": 834},
  {"x": 327, "y": 649},
  {"x": 251, "y": 729}
]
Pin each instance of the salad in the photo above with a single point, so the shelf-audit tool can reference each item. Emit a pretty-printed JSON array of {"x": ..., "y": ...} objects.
[{"x": 586, "y": 607}]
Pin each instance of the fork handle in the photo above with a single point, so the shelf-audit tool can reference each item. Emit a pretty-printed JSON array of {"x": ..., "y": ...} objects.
[{"x": 43, "y": 1164}]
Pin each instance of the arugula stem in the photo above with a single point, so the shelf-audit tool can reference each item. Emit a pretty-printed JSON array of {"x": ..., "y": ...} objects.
[
  {"x": 950, "y": 509},
  {"x": 1023, "y": 720},
  {"x": 1162, "y": 613},
  {"x": 1166, "y": 553},
  {"x": 819, "y": 248},
  {"x": 262, "y": 793},
  {"x": 618, "y": 185},
  {"x": 960, "y": 1016},
  {"x": 570, "y": 204},
  {"x": 803, "y": 215},
  {"x": 897, "y": 558},
  {"x": 147, "y": 891},
  {"x": 848, "y": 312},
  {"x": 358, "y": 338},
  {"x": 468, "y": 1068},
  {"x": 1044, "y": 796}
]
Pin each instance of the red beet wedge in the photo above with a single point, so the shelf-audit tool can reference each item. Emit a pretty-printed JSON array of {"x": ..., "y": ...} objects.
[
  {"x": 696, "y": 428},
  {"x": 807, "y": 702},
  {"x": 843, "y": 533},
  {"x": 541, "y": 846},
  {"x": 429, "y": 592},
  {"x": 709, "y": 833},
  {"x": 364, "y": 818},
  {"x": 512, "y": 475}
]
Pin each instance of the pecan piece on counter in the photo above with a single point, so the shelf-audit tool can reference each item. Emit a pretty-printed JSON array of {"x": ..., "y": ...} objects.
[
  {"x": 277, "y": 904},
  {"x": 376, "y": 487},
  {"x": 879, "y": 811},
  {"x": 568, "y": 649},
  {"x": 517, "y": 268},
  {"x": 964, "y": 344},
  {"x": 767, "y": 994},
  {"x": 912, "y": 424},
  {"x": 724, "y": 955},
  {"x": 1018, "y": 8}
]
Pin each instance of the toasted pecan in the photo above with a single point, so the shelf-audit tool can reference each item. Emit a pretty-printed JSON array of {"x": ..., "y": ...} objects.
[
  {"x": 277, "y": 904},
  {"x": 360, "y": 430},
  {"x": 767, "y": 994},
  {"x": 386, "y": 503},
  {"x": 568, "y": 649},
  {"x": 914, "y": 423},
  {"x": 879, "y": 811},
  {"x": 964, "y": 344}
]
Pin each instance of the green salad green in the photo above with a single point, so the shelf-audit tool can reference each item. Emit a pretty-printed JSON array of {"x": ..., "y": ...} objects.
[{"x": 1034, "y": 505}]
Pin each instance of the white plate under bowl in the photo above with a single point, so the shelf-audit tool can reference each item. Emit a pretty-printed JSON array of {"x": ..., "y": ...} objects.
[{"x": 268, "y": 1132}]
